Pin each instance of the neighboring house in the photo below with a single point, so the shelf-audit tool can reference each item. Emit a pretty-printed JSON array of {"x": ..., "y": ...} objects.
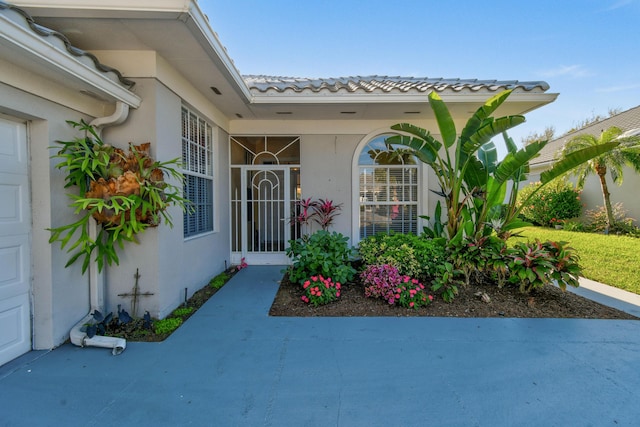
[
  {"x": 251, "y": 146},
  {"x": 629, "y": 122}
]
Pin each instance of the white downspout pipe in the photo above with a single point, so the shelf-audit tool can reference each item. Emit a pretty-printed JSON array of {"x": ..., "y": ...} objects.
[{"x": 96, "y": 278}]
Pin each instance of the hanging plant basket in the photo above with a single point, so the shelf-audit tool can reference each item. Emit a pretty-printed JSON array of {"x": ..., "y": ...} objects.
[
  {"x": 125, "y": 192},
  {"x": 127, "y": 176}
]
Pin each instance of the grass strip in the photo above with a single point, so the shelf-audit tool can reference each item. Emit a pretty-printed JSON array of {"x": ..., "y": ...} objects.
[{"x": 612, "y": 260}]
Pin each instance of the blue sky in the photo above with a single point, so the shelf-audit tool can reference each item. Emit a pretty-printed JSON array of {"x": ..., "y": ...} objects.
[{"x": 587, "y": 50}]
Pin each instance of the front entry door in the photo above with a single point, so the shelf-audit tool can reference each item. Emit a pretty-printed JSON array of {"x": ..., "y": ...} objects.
[
  {"x": 264, "y": 227},
  {"x": 265, "y": 186}
]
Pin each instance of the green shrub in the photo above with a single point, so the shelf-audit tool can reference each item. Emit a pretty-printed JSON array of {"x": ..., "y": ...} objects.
[
  {"x": 573, "y": 225},
  {"x": 552, "y": 204},
  {"x": 446, "y": 281},
  {"x": 322, "y": 253},
  {"x": 412, "y": 255},
  {"x": 182, "y": 311},
  {"x": 167, "y": 326},
  {"x": 219, "y": 281},
  {"x": 485, "y": 255},
  {"x": 597, "y": 221}
]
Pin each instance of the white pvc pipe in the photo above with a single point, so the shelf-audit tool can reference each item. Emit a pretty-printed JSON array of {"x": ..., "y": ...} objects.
[
  {"x": 80, "y": 338},
  {"x": 96, "y": 279}
]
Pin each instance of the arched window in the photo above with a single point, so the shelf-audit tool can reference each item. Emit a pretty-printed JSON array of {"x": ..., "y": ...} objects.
[{"x": 388, "y": 189}]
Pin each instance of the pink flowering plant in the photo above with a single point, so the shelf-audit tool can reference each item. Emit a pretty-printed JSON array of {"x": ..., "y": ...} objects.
[
  {"x": 320, "y": 291},
  {"x": 384, "y": 282}
]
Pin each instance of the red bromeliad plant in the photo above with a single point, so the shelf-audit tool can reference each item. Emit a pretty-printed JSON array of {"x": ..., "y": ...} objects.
[{"x": 537, "y": 264}]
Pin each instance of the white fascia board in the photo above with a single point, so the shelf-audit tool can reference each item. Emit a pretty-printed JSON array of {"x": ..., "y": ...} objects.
[
  {"x": 135, "y": 5},
  {"x": 541, "y": 97},
  {"x": 348, "y": 98},
  {"x": 339, "y": 99},
  {"x": 32, "y": 44},
  {"x": 201, "y": 23}
]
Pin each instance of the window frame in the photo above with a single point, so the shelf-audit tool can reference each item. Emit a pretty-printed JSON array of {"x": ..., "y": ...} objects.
[
  {"x": 357, "y": 167},
  {"x": 198, "y": 142}
]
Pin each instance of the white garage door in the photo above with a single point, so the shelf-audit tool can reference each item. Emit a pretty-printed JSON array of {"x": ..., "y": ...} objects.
[{"x": 15, "y": 250}]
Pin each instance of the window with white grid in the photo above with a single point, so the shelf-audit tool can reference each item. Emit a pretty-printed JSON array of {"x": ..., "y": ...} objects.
[
  {"x": 388, "y": 185},
  {"x": 197, "y": 161}
]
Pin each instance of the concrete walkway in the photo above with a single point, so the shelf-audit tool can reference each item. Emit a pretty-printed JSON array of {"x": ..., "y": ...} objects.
[{"x": 232, "y": 365}]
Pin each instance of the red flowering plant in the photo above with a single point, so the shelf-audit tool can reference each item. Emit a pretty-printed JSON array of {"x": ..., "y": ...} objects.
[
  {"x": 320, "y": 291},
  {"x": 320, "y": 211},
  {"x": 384, "y": 282}
]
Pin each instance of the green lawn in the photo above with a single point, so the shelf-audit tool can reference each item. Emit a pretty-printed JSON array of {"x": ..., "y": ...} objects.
[{"x": 613, "y": 260}]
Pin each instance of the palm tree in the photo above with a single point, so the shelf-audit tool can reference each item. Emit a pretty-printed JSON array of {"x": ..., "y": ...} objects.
[{"x": 627, "y": 153}]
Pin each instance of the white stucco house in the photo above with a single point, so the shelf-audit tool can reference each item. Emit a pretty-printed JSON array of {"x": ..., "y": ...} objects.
[
  {"x": 629, "y": 122},
  {"x": 154, "y": 70}
]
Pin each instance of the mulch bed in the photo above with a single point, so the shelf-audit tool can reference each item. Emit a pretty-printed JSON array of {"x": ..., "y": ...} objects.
[{"x": 549, "y": 302}]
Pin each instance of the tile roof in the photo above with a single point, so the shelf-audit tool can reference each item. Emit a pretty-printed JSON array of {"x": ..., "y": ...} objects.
[
  {"x": 78, "y": 53},
  {"x": 382, "y": 84},
  {"x": 627, "y": 120}
]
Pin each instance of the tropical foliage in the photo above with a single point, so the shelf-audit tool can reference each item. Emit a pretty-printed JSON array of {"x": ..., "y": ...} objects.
[
  {"x": 321, "y": 254},
  {"x": 124, "y": 192},
  {"x": 625, "y": 153},
  {"x": 412, "y": 255},
  {"x": 551, "y": 205},
  {"x": 472, "y": 181}
]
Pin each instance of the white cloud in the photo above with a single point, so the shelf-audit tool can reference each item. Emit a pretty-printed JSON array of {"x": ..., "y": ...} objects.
[
  {"x": 619, "y": 4},
  {"x": 621, "y": 88},
  {"x": 572, "y": 71}
]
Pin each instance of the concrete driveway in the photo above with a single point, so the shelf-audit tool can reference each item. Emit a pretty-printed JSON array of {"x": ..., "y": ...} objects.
[{"x": 232, "y": 365}]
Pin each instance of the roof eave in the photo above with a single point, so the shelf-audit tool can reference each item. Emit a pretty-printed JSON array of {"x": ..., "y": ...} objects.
[
  {"x": 187, "y": 11},
  {"x": 350, "y": 98},
  {"x": 41, "y": 51},
  {"x": 199, "y": 26}
]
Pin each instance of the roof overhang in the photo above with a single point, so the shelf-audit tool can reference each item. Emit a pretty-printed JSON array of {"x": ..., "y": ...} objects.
[
  {"x": 180, "y": 33},
  {"x": 176, "y": 29},
  {"x": 20, "y": 45}
]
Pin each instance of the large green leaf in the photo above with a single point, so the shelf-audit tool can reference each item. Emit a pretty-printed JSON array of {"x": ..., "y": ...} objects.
[
  {"x": 477, "y": 120},
  {"x": 496, "y": 193},
  {"x": 488, "y": 155},
  {"x": 413, "y": 130},
  {"x": 508, "y": 141},
  {"x": 512, "y": 162},
  {"x": 575, "y": 159},
  {"x": 425, "y": 150},
  {"x": 444, "y": 119},
  {"x": 489, "y": 130},
  {"x": 475, "y": 175}
]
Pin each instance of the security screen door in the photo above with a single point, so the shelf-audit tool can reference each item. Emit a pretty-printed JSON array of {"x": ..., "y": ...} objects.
[{"x": 265, "y": 185}]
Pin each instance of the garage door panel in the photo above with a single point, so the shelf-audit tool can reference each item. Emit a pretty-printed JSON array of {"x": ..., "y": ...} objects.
[
  {"x": 15, "y": 245},
  {"x": 13, "y": 149},
  {"x": 14, "y": 208},
  {"x": 15, "y": 336},
  {"x": 14, "y": 253}
]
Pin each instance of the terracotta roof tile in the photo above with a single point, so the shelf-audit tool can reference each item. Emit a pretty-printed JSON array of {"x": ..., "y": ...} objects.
[{"x": 384, "y": 84}]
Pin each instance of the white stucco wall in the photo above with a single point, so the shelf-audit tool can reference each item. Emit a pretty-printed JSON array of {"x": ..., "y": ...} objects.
[
  {"x": 327, "y": 160},
  {"x": 168, "y": 263},
  {"x": 627, "y": 193}
]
